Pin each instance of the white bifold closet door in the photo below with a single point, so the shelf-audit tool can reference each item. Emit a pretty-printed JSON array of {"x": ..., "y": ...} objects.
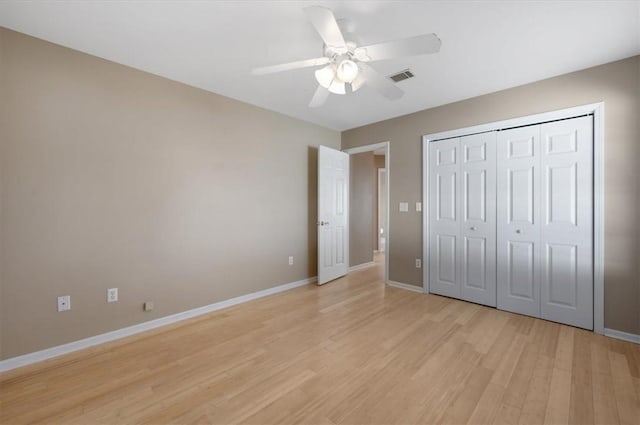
[
  {"x": 462, "y": 260},
  {"x": 545, "y": 221},
  {"x": 518, "y": 189}
]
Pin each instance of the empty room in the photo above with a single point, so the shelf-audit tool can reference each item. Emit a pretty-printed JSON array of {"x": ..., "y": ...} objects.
[{"x": 320, "y": 212}]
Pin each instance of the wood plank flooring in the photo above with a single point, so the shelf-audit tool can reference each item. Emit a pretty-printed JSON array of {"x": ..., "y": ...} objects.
[{"x": 350, "y": 352}]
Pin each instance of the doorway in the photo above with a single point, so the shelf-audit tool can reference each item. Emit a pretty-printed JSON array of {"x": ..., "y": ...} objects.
[{"x": 369, "y": 207}]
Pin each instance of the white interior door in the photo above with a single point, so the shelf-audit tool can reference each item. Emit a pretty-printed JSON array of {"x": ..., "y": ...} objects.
[
  {"x": 518, "y": 215},
  {"x": 567, "y": 221},
  {"x": 333, "y": 214},
  {"x": 477, "y": 248},
  {"x": 444, "y": 218}
]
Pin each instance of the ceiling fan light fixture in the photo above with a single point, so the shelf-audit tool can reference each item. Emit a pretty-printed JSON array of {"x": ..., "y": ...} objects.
[
  {"x": 347, "y": 71},
  {"x": 337, "y": 87},
  {"x": 325, "y": 76},
  {"x": 345, "y": 61}
]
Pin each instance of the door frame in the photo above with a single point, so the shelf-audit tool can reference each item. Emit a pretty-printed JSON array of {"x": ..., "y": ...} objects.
[
  {"x": 595, "y": 109},
  {"x": 378, "y": 237},
  {"x": 387, "y": 166}
]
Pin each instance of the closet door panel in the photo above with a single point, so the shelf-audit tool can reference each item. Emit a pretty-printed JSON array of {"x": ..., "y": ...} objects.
[
  {"x": 518, "y": 214},
  {"x": 567, "y": 221},
  {"x": 444, "y": 218},
  {"x": 477, "y": 250}
]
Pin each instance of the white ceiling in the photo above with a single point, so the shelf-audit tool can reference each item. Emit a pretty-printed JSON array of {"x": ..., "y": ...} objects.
[{"x": 486, "y": 46}]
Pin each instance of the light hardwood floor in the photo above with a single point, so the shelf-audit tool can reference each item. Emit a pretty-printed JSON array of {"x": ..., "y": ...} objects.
[{"x": 350, "y": 352}]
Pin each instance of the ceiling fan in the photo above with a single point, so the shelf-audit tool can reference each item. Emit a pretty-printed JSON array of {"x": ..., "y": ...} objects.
[{"x": 346, "y": 64}]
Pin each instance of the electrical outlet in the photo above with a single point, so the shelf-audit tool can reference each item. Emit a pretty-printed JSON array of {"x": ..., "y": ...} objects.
[
  {"x": 112, "y": 295},
  {"x": 64, "y": 303},
  {"x": 148, "y": 306},
  {"x": 291, "y": 260},
  {"x": 418, "y": 206},
  {"x": 418, "y": 263}
]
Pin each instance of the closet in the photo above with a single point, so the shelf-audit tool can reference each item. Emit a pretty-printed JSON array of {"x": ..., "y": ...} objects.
[{"x": 511, "y": 219}]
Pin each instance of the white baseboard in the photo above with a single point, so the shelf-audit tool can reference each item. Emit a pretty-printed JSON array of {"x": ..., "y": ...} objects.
[
  {"x": 625, "y": 336},
  {"x": 59, "y": 350},
  {"x": 362, "y": 266},
  {"x": 406, "y": 286}
]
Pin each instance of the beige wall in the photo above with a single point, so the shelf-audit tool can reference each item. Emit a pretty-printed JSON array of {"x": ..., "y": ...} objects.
[
  {"x": 617, "y": 84},
  {"x": 111, "y": 177},
  {"x": 362, "y": 188}
]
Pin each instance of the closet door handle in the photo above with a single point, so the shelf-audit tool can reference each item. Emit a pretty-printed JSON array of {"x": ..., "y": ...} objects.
[
  {"x": 518, "y": 231},
  {"x": 472, "y": 228}
]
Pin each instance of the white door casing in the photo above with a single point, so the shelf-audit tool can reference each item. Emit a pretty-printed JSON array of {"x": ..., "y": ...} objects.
[
  {"x": 382, "y": 209},
  {"x": 566, "y": 222},
  {"x": 477, "y": 247},
  {"x": 333, "y": 214},
  {"x": 444, "y": 212},
  {"x": 518, "y": 215}
]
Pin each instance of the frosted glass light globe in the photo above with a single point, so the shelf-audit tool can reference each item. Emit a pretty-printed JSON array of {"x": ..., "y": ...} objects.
[
  {"x": 347, "y": 71},
  {"x": 325, "y": 76}
]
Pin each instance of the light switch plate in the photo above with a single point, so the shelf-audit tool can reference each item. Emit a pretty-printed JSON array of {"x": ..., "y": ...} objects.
[
  {"x": 112, "y": 295},
  {"x": 404, "y": 207},
  {"x": 418, "y": 206}
]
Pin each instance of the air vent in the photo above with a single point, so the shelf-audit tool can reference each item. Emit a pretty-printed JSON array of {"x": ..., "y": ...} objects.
[{"x": 402, "y": 75}]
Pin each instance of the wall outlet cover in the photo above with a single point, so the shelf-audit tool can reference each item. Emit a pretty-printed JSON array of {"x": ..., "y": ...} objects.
[
  {"x": 64, "y": 303},
  {"x": 404, "y": 207}
]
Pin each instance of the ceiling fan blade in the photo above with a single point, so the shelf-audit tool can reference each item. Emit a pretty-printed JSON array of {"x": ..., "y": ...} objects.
[
  {"x": 325, "y": 23},
  {"x": 412, "y": 46},
  {"x": 383, "y": 85},
  {"x": 291, "y": 65},
  {"x": 319, "y": 97}
]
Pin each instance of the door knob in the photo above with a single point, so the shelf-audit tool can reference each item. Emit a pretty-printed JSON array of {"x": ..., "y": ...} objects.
[
  {"x": 518, "y": 231},
  {"x": 472, "y": 228},
  {"x": 322, "y": 223}
]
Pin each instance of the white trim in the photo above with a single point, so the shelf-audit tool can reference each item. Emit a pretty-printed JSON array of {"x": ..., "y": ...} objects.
[
  {"x": 597, "y": 109},
  {"x": 362, "y": 266},
  {"x": 625, "y": 336},
  {"x": 517, "y": 122},
  {"x": 378, "y": 237},
  {"x": 59, "y": 350},
  {"x": 425, "y": 213},
  {"x": 406, "y": 286},
  {"x": 387, "y": 165},
  {"x": 598, "y": 218},
  {"x": 368, "y": 148}
]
